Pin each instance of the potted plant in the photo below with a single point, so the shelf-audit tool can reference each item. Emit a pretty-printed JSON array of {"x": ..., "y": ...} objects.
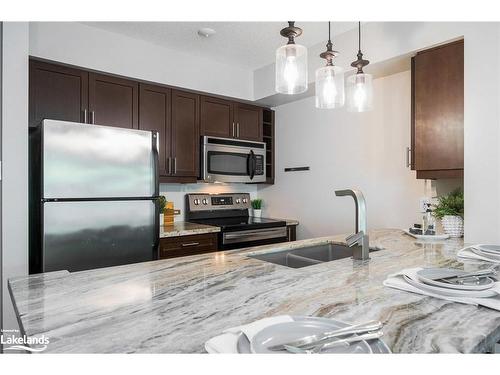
[
  {"x": 257, "y": 207},
  {"x": 450, "y": 210},
  {"x": 163, "y": 203}
]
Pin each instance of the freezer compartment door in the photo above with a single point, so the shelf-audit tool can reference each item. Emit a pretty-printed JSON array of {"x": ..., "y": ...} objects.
[
  {"x": 92, "y": 161},
  {"x": 86, "y": 235}
]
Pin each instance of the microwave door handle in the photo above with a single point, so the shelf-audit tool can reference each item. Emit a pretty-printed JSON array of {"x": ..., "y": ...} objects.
[
  {"x": 254, "y": 164},
  {"x": 251, "y": 165}
]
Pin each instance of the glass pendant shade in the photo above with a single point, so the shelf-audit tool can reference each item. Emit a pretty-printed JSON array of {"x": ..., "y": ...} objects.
[
  {"x": 359, "y": 92},
  {"x": 329, "y": 87},
  {"x": 291, "y": 69}
]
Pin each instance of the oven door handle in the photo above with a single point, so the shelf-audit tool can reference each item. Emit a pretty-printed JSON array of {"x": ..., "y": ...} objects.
[
  {"x": 254, "y": 235},
  {"x": 251, "y": 164}
]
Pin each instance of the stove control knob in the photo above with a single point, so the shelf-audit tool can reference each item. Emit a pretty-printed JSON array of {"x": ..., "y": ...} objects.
[
  {"x": 205, "y": 201},
  {"x": 238, "y": 200},
  {"x": 196, "y": 202},
  {"x": 245, "y": 200}
]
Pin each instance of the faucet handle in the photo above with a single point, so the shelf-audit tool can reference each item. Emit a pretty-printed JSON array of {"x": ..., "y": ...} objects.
[{"x": 355, "y": 238}]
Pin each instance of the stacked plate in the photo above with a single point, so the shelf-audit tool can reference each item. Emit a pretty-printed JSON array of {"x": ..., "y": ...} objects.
[
  {"x": 455, "y": 283},
  {"x": 491, "y": 252},
  {"x": 271, "y": 337}
]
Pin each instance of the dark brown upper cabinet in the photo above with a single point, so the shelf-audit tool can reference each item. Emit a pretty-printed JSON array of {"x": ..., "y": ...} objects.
[
  {"x": 113, "y": 101},
  {"x": 185, "y": 133},
  {"x": 65, "y": 93},
  {"x": 155, "y": 115},
  {"x": 174, "y": 114},
  {"x": 217, "y": 117},
  {"x": 437, "y": 149},
  {"x": 248, "y": 122},
  {"x": 228, "y": 119},
  {"x": 56, "y": 92}
]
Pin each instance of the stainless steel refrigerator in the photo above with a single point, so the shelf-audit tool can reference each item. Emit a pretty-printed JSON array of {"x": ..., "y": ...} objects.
[{"x": 93, "y": 196}]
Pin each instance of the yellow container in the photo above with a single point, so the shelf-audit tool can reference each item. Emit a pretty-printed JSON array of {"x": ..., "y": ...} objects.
[{"x": 168, "y": 214}]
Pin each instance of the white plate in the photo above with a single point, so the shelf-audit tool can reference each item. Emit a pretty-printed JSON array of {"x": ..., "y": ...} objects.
[
  {"x": 451, "y": 292},
  {"x": 377, "y": 346},
  {"x": 282, "y": 333},
  {"x": 493, "y": 257},
  {"x": 493, "y": 249},
  {"x": 427, "y": 237},
  {"x": 428, "y": 274}
]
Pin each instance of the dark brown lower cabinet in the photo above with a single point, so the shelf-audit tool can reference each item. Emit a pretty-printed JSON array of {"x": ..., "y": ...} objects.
[{"x": 172, "y": 247}]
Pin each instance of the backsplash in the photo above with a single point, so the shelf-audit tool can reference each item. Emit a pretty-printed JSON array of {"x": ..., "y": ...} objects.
[{"x": 176, "y": 192}]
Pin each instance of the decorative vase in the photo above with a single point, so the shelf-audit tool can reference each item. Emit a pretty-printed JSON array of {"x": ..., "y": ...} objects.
[
  {"x": 453, "y": 225},
  {"x": 257, "y": 212}
]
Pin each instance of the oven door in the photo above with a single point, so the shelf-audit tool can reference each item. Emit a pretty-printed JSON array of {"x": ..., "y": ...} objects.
[
  {"x": 229, "y": 160},
  {"x": 253, "y": 237}
]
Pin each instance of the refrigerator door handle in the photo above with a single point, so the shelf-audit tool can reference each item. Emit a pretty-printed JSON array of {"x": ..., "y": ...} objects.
[{"x": 154, "y": 149}]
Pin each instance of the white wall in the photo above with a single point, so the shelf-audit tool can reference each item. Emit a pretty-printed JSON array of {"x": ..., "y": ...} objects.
[
  {"x": 93, "y": 48},
  {"x": 176, "y": 192},
  {"x": 14, "y": 160},
  {"x": 387, "y": 40},
  {"x": 345, "y": 150}
]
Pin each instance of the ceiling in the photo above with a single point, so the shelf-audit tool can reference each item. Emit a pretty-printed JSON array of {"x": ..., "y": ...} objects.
[{"x": 250, "y": 45}]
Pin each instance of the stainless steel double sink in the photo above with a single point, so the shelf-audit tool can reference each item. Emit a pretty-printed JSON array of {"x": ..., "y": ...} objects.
[{"x": 307, "y": 256}]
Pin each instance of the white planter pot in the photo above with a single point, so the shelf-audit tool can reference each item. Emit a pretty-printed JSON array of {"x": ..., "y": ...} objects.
[
  {"x": 453, "y": 225},
  {"x": 257, "y": 213}
]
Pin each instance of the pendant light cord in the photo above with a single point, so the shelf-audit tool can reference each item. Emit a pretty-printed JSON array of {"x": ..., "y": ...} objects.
[
  {"x": 329, "y": 35},
  {"x": 359, "y": 35}
]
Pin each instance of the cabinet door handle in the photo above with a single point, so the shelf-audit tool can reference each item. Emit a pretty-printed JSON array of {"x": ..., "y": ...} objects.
[
  {"x": 233, "y": 130},
  {"x": 92, "y": 117},
  {"x": 190, "y": 244},
  {"x": 175, "y": 165},
  {"x": 85, "y": 113},
  {"x": 169, "y": 165},
  {"x": 237, "y": 130},
  {"x": 408, "y": 157}
]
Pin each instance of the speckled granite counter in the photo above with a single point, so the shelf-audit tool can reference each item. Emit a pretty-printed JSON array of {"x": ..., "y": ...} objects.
[
  {"x": 184, "y": 228},
  {"x": 175, "y": 305}
]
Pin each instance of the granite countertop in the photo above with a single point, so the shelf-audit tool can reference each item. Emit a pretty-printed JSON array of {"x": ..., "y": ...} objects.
[
  {"x": 175, "y": 305},
  {"x": 184, "y": 228}
]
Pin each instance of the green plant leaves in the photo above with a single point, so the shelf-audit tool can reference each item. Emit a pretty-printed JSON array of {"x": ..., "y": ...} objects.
[{"x": 451, "y": 204}]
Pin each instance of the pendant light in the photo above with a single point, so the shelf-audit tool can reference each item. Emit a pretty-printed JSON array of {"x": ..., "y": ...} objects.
[
  {"x": 291, "y": 63},
  {"x": 329, "y": 80},
  {"x": 359, "y": 85}
]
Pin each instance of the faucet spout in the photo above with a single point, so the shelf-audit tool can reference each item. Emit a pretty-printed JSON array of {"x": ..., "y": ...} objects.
[
  {"x": 360, "y": 202},
  {"x": 359, "y": 240}
]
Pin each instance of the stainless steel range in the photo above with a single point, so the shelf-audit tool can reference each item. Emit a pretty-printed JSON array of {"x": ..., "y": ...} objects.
[{"x": 230, "y": 212}]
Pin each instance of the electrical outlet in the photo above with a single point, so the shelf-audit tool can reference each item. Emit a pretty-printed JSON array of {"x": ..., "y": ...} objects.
[{"x": 423, "y": 202}]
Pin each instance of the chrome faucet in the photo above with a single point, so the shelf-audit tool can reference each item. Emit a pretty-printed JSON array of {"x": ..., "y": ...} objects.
[{"x": 359, "y": 241}]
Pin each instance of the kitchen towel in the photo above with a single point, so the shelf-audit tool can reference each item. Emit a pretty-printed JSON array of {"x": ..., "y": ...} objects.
[
  {"x": 226, "y": 342},
  {"x": 397, "y": 281},
  {"x": 467, "y": 253}
]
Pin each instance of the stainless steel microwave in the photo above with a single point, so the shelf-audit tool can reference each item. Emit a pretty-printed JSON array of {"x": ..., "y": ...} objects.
[{"x": 233, "y": 160}]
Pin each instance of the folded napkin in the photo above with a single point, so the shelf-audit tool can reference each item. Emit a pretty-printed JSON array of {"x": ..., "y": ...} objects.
[
  {"x": 467, "y": 253},
  {"x": 226, "y": 342},
  {"x": 397, "y": 281}
]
